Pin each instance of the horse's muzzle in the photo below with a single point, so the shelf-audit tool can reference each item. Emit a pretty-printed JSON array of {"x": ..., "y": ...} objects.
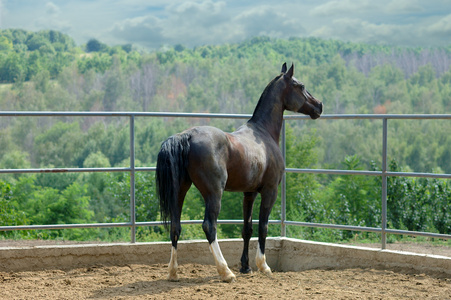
[{"x": 317, "y": 111}]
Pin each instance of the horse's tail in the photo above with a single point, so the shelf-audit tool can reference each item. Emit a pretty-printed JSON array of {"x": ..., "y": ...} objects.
[{"x": 172, "y": 165}]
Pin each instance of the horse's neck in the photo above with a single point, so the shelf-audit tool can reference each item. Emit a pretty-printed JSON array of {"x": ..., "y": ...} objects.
[{"x": 268, "y": 116}]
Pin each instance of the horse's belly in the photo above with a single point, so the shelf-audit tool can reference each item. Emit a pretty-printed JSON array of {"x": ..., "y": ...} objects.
[
  {"x": 246, "y": 176},
  {"x": 237, "y": 185}
]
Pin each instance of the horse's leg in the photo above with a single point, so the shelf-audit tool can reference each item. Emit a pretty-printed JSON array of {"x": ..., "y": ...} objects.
[
  {"x": 212, "y": 208},
  {"x": 248, "y": 204},
  {"x": 176, "y": 229},
  {"x": 268, "y": 199}
]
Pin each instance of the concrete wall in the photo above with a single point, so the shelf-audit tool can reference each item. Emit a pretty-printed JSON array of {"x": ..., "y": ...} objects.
[
  {"x": 298, "y": 255},
  {"x": 283, "y": 254}
]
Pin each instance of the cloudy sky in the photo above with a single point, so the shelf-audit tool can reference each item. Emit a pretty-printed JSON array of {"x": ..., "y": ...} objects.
[{"x": 154, "y": 23}]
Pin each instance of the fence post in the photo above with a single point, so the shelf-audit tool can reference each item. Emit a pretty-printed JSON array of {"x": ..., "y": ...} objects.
[
  {"x": 283, "y": 195},
  {"x": 384, "y": 184},
  {"x": 132, "y": 180}
]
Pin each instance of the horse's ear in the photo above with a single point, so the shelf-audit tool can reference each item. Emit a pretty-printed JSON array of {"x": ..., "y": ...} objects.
[
  {"x": 290, "y": 72},
  {"x": 284, "y": 68}
]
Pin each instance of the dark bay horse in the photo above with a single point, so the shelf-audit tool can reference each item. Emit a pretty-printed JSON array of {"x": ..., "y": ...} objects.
[{"x": 248, "y": 160}]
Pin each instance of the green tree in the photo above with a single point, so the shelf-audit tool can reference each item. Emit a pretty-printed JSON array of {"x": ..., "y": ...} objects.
[
  {"x": 418, "y": 204},
  {"x": 114, "y": 87},
  {"x": 96, "y": 160},
  {"x": 60, "y": 41},
  {"x": 5, "y": 44},
  {"x": 98, "y": 62},
  {"x": 60, "y": 145},
  {"x": 36, "y": 41},
  {"x": 355, "y": 199},
  {"x": 41, "y": 81},
  {"x": 300, "y": 153},
  {"x": 50, "y": 206},
  {"x": 127, "y": 48},
  {"x": 12, "y": 67},
  {"x": 15, "y": 160},
  {"x": 94, "y": 45},
  {"x": 10, "y": 214},
  {"x": 97, "y": 183}
]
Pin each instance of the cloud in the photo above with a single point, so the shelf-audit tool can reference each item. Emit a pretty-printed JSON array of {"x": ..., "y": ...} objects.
[
  {"x": 345, "y": 7},
  {"x": 203, "y": 22},
  {"x": 188, "y": 23},
  {"x": 207, "y": 22},
  {"x": 265, "y": 20},
  {"x": 206, "y": 13},
  {"x": 51, "y": 9},
  {"x": 403, "y": 7},
  {"x": 142, "y": 30},
  {"x": 197, "y": 22},
  {"x": 363, "y": 31},
  {"x": 441, "y": 28},
  {"x": 52, "y": 19},
  {"x": 3, "y": 12},
  {"x": 367, "y": 8}
]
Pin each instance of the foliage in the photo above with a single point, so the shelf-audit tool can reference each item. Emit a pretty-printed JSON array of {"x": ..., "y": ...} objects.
[
  {"x": 10, "y": 214},
  {"x": 418, "y": 204},
  {"x": 46, "y": 70},
  {"x": 94, "y": 45},
  {"x": 24, "y": 54}
]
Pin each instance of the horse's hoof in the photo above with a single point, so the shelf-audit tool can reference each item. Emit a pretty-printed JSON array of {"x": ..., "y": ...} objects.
[
  {"x": 267, "y": 272},
  {"x": 246, "y": 270},
  {"x": 173, "y": 277},
  {"x": 230, "y": 277}
]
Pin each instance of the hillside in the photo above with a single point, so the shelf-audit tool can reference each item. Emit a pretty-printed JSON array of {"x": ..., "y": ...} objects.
[{"x": 46, "y": 71}]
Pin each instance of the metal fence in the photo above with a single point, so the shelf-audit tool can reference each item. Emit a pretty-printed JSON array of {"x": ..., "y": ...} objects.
[{"x": 132, "y": 224}]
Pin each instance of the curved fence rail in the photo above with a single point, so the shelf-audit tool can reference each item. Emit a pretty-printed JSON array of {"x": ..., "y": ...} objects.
[{"x": 132, "y": 224}]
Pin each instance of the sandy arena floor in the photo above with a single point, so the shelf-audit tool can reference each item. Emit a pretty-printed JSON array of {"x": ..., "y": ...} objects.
[{"x": 202, "y": 282}]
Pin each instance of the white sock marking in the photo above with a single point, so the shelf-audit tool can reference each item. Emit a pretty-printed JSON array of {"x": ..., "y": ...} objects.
[
  {"x": 173, "y": 265},
  {"x": 221, "y": 264},
  {"x": 260, "y": 260},
  {"x": 217, "y": 254}
]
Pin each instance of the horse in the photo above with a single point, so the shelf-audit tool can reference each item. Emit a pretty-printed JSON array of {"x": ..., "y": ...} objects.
[{"x": 247, "y": 160}]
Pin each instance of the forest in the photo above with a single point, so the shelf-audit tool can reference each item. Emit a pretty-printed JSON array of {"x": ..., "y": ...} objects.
[{"x": 47, "y": 71}]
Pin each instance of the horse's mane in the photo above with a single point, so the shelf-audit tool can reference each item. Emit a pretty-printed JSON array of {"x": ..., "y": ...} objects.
[{"x": 265, "y": 93}]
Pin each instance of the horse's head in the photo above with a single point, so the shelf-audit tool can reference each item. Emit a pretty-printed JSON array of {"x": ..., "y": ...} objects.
[{"x": 297, "y": 98}]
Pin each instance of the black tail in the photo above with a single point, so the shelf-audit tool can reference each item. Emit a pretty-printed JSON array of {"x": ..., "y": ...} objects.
[{"x": 172, "y": 165}]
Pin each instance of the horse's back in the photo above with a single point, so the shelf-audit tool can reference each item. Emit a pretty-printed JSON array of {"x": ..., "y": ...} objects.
[{"x": 238, "y": 161}]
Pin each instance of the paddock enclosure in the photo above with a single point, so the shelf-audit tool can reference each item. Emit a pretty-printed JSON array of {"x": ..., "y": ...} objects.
[{"x": 302, "y": 270}]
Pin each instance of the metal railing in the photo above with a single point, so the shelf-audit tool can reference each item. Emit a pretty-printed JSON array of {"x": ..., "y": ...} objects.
[{"x": 132, "y": 169}]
